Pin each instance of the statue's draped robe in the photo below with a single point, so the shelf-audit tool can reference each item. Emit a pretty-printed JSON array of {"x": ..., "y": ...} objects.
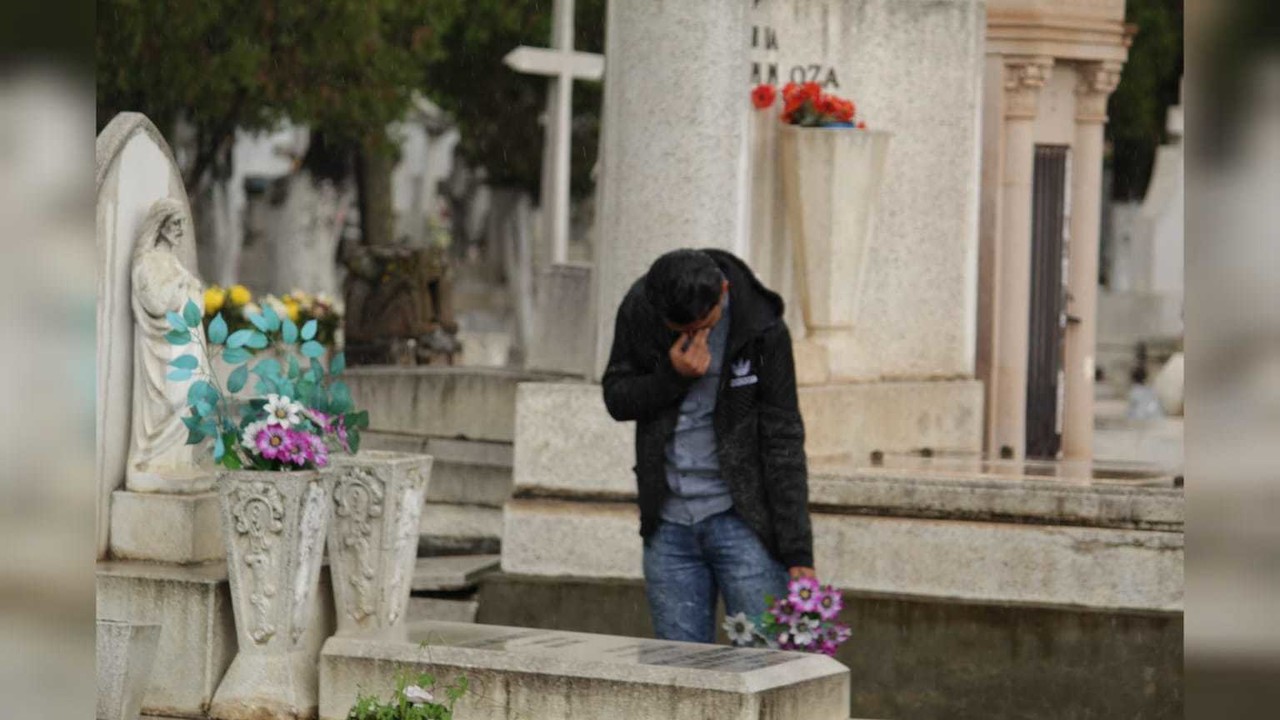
[{"x": 158, "y": 440}]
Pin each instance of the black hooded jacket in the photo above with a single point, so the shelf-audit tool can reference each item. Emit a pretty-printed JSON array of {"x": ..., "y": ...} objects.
[{"x": 759, "y": 432}]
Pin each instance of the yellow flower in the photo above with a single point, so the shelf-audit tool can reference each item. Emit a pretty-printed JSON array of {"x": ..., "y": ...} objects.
[
  {"x": 291, "y": 307},
  {"x": 214, "y": 297},
  {"x": 240, "y": 295}
]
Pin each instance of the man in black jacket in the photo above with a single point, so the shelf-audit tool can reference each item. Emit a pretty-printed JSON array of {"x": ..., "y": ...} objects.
[{"x": 701, "y": 360}]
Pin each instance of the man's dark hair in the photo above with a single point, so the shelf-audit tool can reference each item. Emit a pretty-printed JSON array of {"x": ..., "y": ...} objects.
[{"x": 683, "y": 285}]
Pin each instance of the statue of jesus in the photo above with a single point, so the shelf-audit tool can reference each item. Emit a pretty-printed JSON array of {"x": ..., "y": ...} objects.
[{"x": 159, "y": 458}]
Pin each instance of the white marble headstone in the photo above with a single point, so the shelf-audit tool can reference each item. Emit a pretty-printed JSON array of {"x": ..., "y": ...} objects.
[
  {"x": 680, "y": 160},
  {"x": 135, "y": 168}
]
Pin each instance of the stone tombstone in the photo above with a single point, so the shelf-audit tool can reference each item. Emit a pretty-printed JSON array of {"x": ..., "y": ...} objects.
[
  {"x": 135, "y": 170},
  {"x": 125, "y": 654},
  {"x": 522, "y": 672},
  {"x": 688, "y": 162}
]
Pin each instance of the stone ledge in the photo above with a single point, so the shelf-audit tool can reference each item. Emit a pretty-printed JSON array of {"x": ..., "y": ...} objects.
[
  {"x": 1044, "y": 502},
  {"x": 1060, "y": 566},
  {"x": 167, "y": 528},
  {"x": 566, "y": 443},
  {"x": 192, "y": 606}
]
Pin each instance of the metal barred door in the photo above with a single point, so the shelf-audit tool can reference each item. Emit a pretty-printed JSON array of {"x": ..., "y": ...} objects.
[{"x": 1048, "y": 302}]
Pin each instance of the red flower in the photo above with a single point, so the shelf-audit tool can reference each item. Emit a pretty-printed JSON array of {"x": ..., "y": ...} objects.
[
  {"x": 827, "y": 105},
  {"x": 811, "y": 91},
  {"x": 843, "y": 110},
  {"x": 793, "y": 103},
  {"x": 862, "y": 125},
  {"x": 763, "y": 96},
  {"x": 789, "y": 91}
]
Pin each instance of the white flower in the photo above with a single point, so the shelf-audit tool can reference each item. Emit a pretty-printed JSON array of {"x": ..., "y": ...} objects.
[
  {"x": 418, "y": 695},
  {"x": 802, "y": 631},
  {"x": 277, "y": 305},
  {"x": 282, "y": 411},
  {"x": 249, "y": 438},
  {"x": 740, "y": 630}
]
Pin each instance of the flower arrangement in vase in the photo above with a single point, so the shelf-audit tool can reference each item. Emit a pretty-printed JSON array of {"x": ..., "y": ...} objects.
[
  {"x": 804, "y": 620},
  {"x": 273, "y": 440},
  {"x": 237, "y": 303},
  {"x": 300, "y": 412},
  {"x": 805, "y": 104}
]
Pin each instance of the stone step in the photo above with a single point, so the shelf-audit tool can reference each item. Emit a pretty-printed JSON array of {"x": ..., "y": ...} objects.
[
  {"x": 452, "y": 572},
  {"x": 442, "y": 609},
  {"x": 447, "y": 529},
  {"x": 452, "y": 402}
]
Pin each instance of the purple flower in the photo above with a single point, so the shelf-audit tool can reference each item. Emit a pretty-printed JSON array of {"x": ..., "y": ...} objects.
[
  {"x": 829, "y": 648},
  {"x": 830, "y": 602},
  {"x": 785, "y": 612},
  {"x": 804, "y": 594},
  {"x": 273, "y": 443},
  {"x": 339, "y": 428}
]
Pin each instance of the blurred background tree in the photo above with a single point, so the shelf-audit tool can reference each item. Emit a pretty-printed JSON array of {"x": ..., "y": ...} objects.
[
  {"x": 344, "y": 68},
  {"x": 1149, "y": 85},
  {"x": 499, "y": 110}
]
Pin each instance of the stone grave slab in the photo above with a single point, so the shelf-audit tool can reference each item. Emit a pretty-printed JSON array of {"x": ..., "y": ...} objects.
[{"x": 523, "y": 672}]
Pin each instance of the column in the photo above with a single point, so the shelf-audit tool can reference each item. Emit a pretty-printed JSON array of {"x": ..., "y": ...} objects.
[
  {"x": 1095, "y": 85},
  {"x": 673, "y": 143},
  {"x": 1023, "y": 79}
]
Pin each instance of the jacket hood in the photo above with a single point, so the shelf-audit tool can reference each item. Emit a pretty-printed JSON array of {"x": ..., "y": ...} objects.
[{"x": 753, "y": 307}]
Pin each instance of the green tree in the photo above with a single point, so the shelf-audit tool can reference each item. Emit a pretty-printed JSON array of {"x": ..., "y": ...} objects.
[
  {"x": 497, "y": 109},
  {"x": 1148, "y": 86},
  {"x": 345, "y": 68}
]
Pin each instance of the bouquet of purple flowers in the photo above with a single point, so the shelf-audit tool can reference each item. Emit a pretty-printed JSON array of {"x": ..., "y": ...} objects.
[{"x": 804, "y": 620}]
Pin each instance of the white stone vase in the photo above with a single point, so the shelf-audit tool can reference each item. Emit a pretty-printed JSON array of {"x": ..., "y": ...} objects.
[
  {"x": 273, "y": 524},
  {"x": 831, "y": 180},
  {"x": 373, "y": 538}
]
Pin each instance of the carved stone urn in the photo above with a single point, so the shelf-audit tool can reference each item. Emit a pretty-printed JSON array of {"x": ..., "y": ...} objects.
[
  {"x": 273, "y": 524},
  {"x": 831, "y": 180},
  {"x": 373, "y": 538}
]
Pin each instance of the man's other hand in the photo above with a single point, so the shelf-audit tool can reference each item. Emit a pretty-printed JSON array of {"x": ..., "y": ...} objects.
[
  {"x": 803, "y": 572},
  {"x": 691, "y": 355}
]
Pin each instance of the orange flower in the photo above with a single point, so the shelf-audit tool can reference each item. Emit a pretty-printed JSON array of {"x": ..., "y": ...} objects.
[
  {"x": 793, "y": 103},
  {"x": 844, "y": 110},
  {"x": 763, "y": 96}
]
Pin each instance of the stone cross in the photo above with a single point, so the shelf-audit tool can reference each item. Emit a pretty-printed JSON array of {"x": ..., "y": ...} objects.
[{"x": 562, "y": 65}]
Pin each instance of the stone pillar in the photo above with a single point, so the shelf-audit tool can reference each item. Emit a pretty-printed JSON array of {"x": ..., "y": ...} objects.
[
  {"x": 1023, "y": 79},
  {"x": 1096, "y": 83},
  {"x": 675, "y": 129}
]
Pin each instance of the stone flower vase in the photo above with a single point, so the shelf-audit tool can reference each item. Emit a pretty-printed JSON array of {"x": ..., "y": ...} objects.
[
  {"x": 831, "y": 180},
  {"x": 373, "y": 538},
  {"x": 273, "y": 524}
]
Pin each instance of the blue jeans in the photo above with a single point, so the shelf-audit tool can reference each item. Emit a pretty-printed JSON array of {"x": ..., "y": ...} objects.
[{"x": 686, "y": 565}]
